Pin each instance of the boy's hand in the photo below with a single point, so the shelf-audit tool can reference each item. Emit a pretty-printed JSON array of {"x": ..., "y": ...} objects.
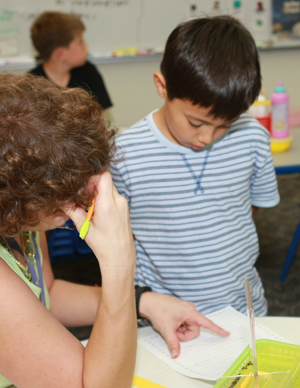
[{"x": 175, "y": 319}]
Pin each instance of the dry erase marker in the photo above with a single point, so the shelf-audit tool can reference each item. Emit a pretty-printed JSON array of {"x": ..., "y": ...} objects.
[{"x": 87, "y": 222}]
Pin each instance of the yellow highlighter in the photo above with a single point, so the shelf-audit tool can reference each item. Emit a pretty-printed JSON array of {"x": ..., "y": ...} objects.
[{"x": 87, "y": 222}]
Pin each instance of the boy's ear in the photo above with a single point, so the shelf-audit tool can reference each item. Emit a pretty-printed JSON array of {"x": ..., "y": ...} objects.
[
  {"x": 160, "y": 84},
  {"x": 59, "y": 53}
]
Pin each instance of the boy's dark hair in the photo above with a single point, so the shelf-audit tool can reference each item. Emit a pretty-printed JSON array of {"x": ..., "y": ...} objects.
[
  {"x": 213, "y": 62},
  {"x": 54, "y": 29},
  {"x": 53, "y": 141}
]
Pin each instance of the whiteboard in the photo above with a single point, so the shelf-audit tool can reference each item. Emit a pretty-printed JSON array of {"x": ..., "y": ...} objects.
[{"x": 118, "y": 24}]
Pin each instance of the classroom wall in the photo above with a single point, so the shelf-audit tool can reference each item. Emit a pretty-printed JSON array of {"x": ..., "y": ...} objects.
[
  {"x": 134, "y": 95},
  {"x": 132, "y": 90}
]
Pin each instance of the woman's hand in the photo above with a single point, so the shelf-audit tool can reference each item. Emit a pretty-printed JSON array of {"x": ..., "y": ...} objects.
[
  {"x": 109, "y": 356},
  {"x": 109, "y": 236},
  {"x": 175, "y": 319}
]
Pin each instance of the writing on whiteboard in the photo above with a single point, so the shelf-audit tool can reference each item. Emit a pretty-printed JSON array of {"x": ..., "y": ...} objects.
[{"x": 94, "y": 3}]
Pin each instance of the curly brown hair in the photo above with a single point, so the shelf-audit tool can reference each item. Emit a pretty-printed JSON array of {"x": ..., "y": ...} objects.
[
  {"x": 52, "y": 141},
  {"x": 54, "y": 29}
]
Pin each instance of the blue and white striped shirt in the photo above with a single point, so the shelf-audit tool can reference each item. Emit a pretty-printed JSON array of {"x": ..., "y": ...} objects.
[{"x": 191, "y": 211}]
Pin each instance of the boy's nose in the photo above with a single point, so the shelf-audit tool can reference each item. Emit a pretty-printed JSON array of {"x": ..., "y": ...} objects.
[{"x": 206, "y": 135}]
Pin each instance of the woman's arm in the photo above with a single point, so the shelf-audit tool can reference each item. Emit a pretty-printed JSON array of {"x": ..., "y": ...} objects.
[
  {"x": 38, "y": 351},
  {"x": 72, "y": 304},
  {"x": 113, "y": 340}
]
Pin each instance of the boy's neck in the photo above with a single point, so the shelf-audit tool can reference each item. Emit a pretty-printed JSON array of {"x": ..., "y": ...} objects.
[
  {"x": 57, "y": 72},
  {"x": 160, "y": 121}
]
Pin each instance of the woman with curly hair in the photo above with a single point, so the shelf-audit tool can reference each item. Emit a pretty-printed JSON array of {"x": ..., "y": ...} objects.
[
  {"x": 54, "y": 153},
  {"x": 54, "y": 147}
]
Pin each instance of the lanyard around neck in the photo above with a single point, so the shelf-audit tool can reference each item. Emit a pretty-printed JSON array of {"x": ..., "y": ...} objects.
[
  {"x": 197, "y": 180},
  {"x": 37, "y": 277}
]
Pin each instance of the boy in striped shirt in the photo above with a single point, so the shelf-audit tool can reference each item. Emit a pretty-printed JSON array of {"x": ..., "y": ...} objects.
[{"x": 194, "y": 170}]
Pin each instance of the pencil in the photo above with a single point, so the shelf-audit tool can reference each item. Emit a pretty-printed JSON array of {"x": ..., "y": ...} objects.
[{"x": 87, "y": 222}]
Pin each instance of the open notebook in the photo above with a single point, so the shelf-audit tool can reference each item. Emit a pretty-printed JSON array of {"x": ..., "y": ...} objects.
[{"x": 209, "y": 356}]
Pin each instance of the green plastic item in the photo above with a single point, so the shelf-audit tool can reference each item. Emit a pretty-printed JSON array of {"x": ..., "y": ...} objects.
[
  {"x": 237, "y": 4},
  {"x": 280, "y": 88},
  {"x": 264, "y": 380},
  {"x": 272, "y": 356}
]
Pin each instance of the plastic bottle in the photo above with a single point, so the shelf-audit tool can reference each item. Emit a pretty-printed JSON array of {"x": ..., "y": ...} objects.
[
  {"x": 261, "y": 110},
  {"x": 280, "y": 112}
]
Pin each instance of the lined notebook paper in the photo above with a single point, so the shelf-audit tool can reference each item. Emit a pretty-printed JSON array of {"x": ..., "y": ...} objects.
[{"x": 209, "y": 356}]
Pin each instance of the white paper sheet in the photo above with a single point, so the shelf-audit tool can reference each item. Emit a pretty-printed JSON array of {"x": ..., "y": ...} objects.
[{"x": 209, "y": 356}]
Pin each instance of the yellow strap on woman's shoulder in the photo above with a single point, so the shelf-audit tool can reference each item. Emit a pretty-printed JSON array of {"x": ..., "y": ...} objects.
[{"x": 140, "y": 382}]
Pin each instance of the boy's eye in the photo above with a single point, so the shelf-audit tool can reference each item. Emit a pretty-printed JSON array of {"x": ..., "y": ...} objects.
[
  {"x": 195, "y": 125},
  {"x": 223, "y": 128}
]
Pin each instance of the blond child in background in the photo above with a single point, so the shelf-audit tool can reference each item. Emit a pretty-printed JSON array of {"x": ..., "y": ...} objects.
[{"x": 58, "y": 38}]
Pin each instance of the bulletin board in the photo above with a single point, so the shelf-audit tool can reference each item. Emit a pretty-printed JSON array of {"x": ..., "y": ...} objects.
[{"x": 286, "y": 22}]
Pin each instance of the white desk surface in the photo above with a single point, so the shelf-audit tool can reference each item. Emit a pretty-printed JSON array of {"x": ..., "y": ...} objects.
[
  {"x": 151, "y": 368},
  {"x": 291, "y": 157}
]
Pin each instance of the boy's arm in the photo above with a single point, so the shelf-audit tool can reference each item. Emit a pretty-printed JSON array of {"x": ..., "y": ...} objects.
[
  {"x": 263, "y": 187},
  {"x": 119, "y": 179}
]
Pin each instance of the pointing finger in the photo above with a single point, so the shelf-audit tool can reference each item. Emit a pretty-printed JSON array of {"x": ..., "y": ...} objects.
[{"x": 208, "y": 324}]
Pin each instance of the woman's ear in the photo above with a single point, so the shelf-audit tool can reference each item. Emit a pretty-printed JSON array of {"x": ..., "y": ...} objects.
[{"x": 160, "y": 84}]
